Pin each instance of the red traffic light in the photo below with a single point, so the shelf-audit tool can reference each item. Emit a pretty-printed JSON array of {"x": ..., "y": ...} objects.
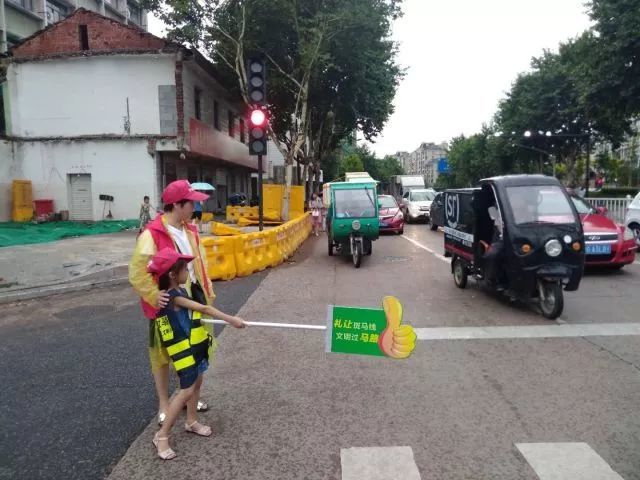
[{"x": 258, "y": 118}]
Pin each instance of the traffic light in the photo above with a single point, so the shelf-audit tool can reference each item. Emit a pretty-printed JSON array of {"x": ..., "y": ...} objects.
[
  {"x": 257, "y": 132},
  {"x": 257, "y": 81}
]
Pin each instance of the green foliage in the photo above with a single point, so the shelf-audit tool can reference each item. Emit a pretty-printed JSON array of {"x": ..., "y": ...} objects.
[
  {"x": 350, "y": 163},
  {"x": 331, "y": 64},
  {"x": 613, "y": 89}
]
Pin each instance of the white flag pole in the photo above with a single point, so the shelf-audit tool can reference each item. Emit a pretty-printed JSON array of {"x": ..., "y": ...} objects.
[{"x": 269, "y": 324}]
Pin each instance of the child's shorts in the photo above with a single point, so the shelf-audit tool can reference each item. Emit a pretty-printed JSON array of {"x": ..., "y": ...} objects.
[{"x": 158, "y": 355}]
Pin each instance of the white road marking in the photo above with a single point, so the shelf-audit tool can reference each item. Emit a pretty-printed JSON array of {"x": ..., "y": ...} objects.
[
  {"x": 566, "y": 461},
  {"x": 529, "y": 331},
  {"x": 424, "y": 247},
  {"x": 378, "y": 463}
]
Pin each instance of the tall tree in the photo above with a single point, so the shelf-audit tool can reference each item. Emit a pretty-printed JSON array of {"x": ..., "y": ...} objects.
[
  {"x": 350, "y": 163},
  {"x": 333, "y": 65},
  {"x": 614, "y": 66}
]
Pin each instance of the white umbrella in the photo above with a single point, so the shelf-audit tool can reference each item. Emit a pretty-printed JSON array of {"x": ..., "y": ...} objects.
[{"x": 204, "y": 186}]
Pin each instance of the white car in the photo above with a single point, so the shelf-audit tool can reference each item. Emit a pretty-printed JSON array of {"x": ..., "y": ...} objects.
[
  {"x": 416, "y": 204},
  {"x": 632, "y": 220}
]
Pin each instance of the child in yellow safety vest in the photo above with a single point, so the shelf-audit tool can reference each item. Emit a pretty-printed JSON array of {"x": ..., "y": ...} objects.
[{"x": 186, "y": 341}]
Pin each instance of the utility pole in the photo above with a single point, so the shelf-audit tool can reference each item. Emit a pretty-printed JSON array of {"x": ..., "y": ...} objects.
[{"x": 588, "y": 173}]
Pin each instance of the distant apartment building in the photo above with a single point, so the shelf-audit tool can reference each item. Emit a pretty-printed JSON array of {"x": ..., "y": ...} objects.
[
  {"x": 92, "y": 107},
  {"x": 20, "y": 19},
  {"x": 403, "y": 160},
  {"x": 629, "y": 150},
  {"x": 424, "y": 161}
]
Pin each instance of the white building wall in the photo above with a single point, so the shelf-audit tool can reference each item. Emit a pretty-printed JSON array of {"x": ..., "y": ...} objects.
[
  {"x": 193, "y": 76},
  {"x": 8, "y": 170},
  {"x": 273, "y": 159},
  {"x": 120, "y": 168},
  {"x": 47, "y": 100}
]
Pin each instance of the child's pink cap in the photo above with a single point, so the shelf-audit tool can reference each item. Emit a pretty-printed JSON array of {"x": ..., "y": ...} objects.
[{"x": 166, "y": 258}]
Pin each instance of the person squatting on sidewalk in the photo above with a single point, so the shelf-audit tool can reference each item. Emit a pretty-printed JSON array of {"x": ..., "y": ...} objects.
[
  {"x": 173, "y": 230},
  {"x": 186, "y": 342}
]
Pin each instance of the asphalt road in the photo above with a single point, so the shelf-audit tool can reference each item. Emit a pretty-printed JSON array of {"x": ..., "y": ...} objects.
[
  {"x": 456, "y": 409},
  {"x": 79, "y": 393},
  {"x": 76, "y": 383}
]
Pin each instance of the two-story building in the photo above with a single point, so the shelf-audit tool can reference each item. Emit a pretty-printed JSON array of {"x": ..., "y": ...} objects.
[{"x": 95, "y": 107}]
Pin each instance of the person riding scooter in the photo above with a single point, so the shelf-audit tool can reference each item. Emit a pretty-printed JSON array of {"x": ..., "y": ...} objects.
[{"x": 493, "y": 251}]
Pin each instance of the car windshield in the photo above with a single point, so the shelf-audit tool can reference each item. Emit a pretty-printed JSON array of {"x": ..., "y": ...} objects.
[
  {"x": 355, "y": 203},
  {"x": 422, "y": 196},
  {"x": 387, "y": 202},
  {"x": 583, "y": 207},
  {"x": 539, "y": 204}
]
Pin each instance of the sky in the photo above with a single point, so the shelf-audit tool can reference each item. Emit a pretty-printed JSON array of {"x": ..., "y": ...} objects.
[{"x": 461, "y": 57}]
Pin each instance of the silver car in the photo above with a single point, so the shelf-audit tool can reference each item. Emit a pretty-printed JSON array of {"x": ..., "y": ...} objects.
[
  {"x": 632, "y": 218},
  {"x": 416, "y": 204}
]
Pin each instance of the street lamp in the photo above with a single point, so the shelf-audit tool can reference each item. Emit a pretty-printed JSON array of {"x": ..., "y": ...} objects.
[
  {"x": 549, "y": 134},
  {"x": 539, "y": 150}
]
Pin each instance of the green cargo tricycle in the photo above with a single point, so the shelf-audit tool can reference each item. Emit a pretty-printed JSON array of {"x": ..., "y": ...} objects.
[{"x": 352, "y": 217}]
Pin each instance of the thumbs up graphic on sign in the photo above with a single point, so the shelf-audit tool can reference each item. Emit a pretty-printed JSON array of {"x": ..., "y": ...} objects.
[{"x": 396, "y": 341}]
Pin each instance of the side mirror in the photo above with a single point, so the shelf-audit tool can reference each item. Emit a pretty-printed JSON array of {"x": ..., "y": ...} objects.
[{"x": 602, "y": 210}]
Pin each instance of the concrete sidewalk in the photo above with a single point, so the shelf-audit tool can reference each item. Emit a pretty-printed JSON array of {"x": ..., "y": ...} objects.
[
  {"x": 31, "y": 271},
  {"x": 72, "y": 264}
]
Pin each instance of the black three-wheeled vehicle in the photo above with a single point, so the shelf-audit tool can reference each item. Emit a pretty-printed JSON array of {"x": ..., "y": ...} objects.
[{"x": 520, "y": 234}]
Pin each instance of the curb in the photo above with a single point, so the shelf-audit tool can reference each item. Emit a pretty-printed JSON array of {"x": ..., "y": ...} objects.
[{"x": 114, "y": 276}]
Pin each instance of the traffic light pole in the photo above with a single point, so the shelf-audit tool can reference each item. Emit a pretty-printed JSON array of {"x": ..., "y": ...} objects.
[{"x": 260, "y": 217}]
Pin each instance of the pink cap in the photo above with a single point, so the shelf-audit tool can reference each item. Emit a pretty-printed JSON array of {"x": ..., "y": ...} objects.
[
  {"x": 166, "y": 258},
  {"x": 181, "y": 190}
]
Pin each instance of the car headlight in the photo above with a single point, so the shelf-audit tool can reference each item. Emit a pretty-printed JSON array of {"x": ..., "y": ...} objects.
[
  {"x": 553, "y": 248},
  {"x": 355, "y": 225},
  {"x": 628, "y": 234},
  {"x": 399, "y": 215}
]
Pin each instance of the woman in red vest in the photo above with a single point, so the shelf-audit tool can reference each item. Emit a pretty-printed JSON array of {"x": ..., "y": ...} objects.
[{"x": 173, "y": 230}]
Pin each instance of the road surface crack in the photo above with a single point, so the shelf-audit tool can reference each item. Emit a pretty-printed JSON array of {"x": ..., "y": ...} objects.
[{"x": 631, "y": 364}]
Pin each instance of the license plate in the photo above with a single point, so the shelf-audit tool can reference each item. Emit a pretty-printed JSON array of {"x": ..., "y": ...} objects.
[{"x": 604, "y": 249}]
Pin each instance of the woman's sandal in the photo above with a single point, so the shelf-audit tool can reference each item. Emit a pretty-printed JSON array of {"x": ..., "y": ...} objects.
[
  {"x": 167, "y": 454},
  {"x": 198, "y": 429},
  {"x": 201, "y": 407}
]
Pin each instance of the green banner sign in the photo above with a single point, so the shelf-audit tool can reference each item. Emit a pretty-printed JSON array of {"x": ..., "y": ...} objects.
[{"x": 369, "y": 331}]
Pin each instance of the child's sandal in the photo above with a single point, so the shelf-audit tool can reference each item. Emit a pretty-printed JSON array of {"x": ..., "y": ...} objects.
[
  {"x": 198, "y": 429},
  {"x": 167, "y": 454}
]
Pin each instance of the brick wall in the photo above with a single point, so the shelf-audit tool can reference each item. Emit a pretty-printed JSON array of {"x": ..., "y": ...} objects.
[{"x": 104, "y": 34}]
